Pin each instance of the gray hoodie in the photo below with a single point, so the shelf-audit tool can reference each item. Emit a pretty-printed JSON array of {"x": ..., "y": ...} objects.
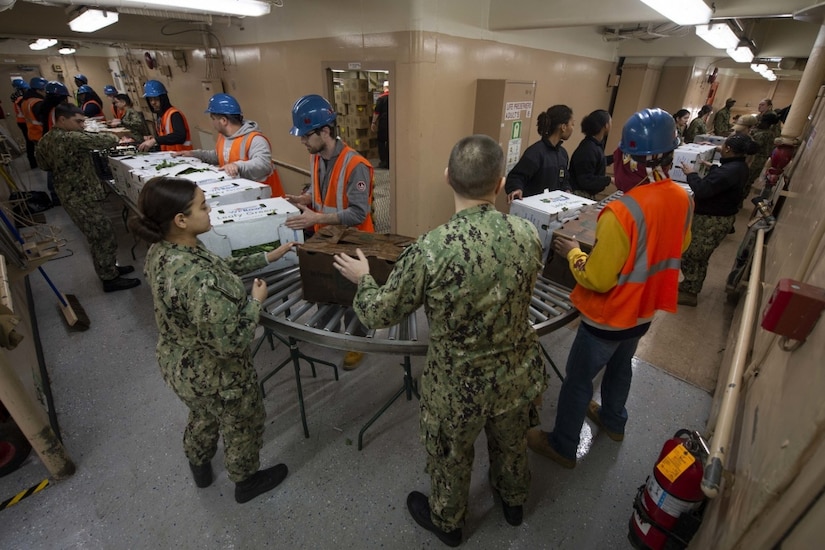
[{"x": 259, "y": 165}]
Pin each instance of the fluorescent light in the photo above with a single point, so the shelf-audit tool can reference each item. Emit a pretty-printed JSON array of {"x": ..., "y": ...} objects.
[
  {"x": 742, "y": 54},
  {"x": 66, "y": 50},
  {"x": 682, "y": 12},
  {"x": 718, "y": 35},
  {"x": 93, "y": 20},
  {"x": 252, "y": 8},
  {"x": 42, "y": 44},
  {"x": 758, "y": 67}
]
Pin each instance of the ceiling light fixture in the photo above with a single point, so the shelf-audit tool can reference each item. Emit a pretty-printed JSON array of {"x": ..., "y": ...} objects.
[
  {"x": 742, "y": 54},
  {"x": 718, "y": 35},
  {"x": 66, "y": 50},
  {"x": 251, "y": 8},
  {"x": 42, "y": 44},
  {"x": 91, "y": 20},
  {"x": 682, "y": 12}
]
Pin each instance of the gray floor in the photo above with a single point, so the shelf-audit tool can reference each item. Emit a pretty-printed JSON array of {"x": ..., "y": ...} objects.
[{"x": 132, "y": 489}]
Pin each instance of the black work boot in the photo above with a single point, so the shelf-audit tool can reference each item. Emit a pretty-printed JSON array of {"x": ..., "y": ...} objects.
[
  {"x": 514, "y": 515},
  {"x": 119, "y": 283},
  {"x": 124, "y": 269},
  {"x": 202, "y": 474},
  {"x": 419, "y": 507},
  {"x": 259, "y": 483}
]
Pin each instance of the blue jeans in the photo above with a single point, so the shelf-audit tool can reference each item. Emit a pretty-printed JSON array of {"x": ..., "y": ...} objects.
[{"x": 587, "y": 357}]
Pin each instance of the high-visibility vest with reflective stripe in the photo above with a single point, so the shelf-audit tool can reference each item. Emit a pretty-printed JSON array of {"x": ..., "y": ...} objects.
[
  {"x": 165, "y": 128},
  {"x": 93, "y": 102},
  {"x": 33, "y": 126},
  {"x": 656, "y": 218},
  {"x": 18, "y": 110},
  {"x": 118, "y": 113},
  {"x": 336, "y": 197},
  {"x": 239, "y": 150}
]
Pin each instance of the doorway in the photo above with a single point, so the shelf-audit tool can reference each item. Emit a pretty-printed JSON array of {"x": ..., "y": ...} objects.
[{"x": 354, "y": 94}]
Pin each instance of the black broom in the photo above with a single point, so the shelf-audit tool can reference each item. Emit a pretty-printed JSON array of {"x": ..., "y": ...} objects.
[{"x": 73, "y": 312}]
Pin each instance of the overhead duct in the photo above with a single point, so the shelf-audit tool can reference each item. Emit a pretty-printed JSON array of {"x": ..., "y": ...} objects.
[
  {"x": 130, "y": 8},
  {"x": 207, "y": 18},
  {"x": 645, "y": 33}
]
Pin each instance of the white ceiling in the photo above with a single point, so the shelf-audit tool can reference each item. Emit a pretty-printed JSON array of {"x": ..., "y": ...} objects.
[{"x": 769, "y": 23}]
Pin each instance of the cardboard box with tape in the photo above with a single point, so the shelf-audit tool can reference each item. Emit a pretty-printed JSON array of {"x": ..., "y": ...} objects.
[
  {"x": 548, "y": 210},
  {"x": 323, "y": 283},
  {"x": 583, "y": 229},
  {"x": 694, "y": 155},
  {"x": 232, "y": 191}
]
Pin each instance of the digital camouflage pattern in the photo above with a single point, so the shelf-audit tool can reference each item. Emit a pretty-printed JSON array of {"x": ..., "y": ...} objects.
[
  {"x": 206, "y": 323},
  {"x": 66, "y": 155},
  {"x": 764, "y": 139},
  {"x": 707, "y": 233},
  {"x": 721, "y": 122},
  {"x": 474, "y": 276},
  {"x": 134, "y": 122},
  {"x": 697, "y": 126}
]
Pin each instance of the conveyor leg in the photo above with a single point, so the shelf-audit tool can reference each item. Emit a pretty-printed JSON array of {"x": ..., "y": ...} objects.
[{"x": 409, "y": 387}]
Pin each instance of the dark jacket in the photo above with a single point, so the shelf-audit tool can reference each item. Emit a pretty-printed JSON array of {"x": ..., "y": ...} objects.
[
  {"x": 587, "y": 166},
  {"x": 720, "y": 192},
  {"x": 541, "y": 167}
]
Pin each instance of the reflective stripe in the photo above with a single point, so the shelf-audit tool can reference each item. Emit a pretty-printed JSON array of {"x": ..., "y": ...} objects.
[{"x": 641, "y": 272}]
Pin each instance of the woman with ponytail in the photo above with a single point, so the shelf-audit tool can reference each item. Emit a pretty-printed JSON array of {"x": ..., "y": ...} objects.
[{"x": 206, "y": 322}]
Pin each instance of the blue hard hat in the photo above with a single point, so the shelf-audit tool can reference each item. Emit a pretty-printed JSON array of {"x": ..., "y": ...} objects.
[
  {"x": 20, "y": 84},
  {"x": 310, "y": 113},
  {"x": 153, "y": 88},
  {"x": 109, "y": 90},
  {"x": 82, "y": 78},
  {"x": 38, "y": 83},
  {"x": 85, "y": 90},
  {"x": 223, "y": 104},
  {"x": 649, "y": 132},
  {"x": 57, "y": 88}
]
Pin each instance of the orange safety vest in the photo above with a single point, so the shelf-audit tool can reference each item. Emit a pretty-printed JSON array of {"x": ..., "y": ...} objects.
[
  {"x": 336, "y": 197},
  {"x": 239, "y": 150},
  {"x": 99, "y": 106},
  {"x": 118, "y": 113},
  {"x": 656, "y": 217},
  {"x": 18, "y": 110},
  {"x": 33, "y": 126},
  {"x": 165, "y": 128}
]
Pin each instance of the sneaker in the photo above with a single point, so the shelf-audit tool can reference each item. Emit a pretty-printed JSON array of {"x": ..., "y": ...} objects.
[
  {"x": 593, "y": 414},
  {"x": 419, "y": 508},
  {"x": 119, "y": 283},
  {"x": 124, "y": 269},
  {"x": 512, "y": 514},
  {"x": 352, "y": 360},
  {"x": 202, "y": 474},
  {"x": 260, "y": 482},
  {"x": 687, "y": 299},
  {"x": 539, "y": 443}
]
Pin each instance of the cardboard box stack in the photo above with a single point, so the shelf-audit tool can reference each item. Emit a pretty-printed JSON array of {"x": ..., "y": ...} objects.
[
  {"x": 692, "y": 154},
  {"x": 548, "y": 211},
  {"x": 246, "y": 227},
  {"x": 354, "y": 106},
  {"x": 323, "y": 283}
]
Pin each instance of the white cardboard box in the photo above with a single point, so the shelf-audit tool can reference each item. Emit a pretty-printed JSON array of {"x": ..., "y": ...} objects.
[
  {"x": 691, "y": 154},
  {"x": 199, "y": 172},
  {"x": 548, "y": 211},
  {"x": 233, "y": 191},
  {"x": 241, "y": 225}
]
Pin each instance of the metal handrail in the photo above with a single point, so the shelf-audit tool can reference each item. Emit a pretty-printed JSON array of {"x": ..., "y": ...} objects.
[{"x": 282, "y": 164}]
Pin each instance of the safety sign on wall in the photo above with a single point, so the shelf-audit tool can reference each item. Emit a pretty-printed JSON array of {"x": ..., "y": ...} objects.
[{"x": 513, "y": 109}]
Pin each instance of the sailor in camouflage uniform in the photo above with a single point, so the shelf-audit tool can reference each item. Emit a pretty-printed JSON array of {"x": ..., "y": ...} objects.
[
  {"x": 717, "y": 198},
  {"x": 474, "y": 276},
  {"x": 206, "y": 322},
  {"x": 65, "y": 152}
]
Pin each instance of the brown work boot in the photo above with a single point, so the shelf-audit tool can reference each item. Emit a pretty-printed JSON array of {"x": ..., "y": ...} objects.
[
  {"x": 687, "y": 299},
  {"x": 539, "y": 443},
  {"x": 352, "y": 360},
  {"x": 593, "y": 414}
]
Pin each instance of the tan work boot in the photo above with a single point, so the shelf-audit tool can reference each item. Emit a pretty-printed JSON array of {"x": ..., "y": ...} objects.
[
  {"x": 593, "y": 414},
  {"x": 538, "y": 443},
  {"x": 352, "y": 360}
]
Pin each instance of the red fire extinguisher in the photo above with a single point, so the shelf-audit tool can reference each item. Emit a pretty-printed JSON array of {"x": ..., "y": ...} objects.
[{"x": 668, "y": 507}]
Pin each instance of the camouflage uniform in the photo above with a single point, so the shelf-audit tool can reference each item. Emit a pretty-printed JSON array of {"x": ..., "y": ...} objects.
[
  {"x": 66, "y": 155},
  {"x": 708, "y": 233},
  {"x": 205, "y": 323},
  {"x": 134, "y": 122},
  {"x": 697, "y": 126},
  {"x": 474, "y": 275},
  {"x": 721, "y": 122},
  {"x": 763, "y": 138}
]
